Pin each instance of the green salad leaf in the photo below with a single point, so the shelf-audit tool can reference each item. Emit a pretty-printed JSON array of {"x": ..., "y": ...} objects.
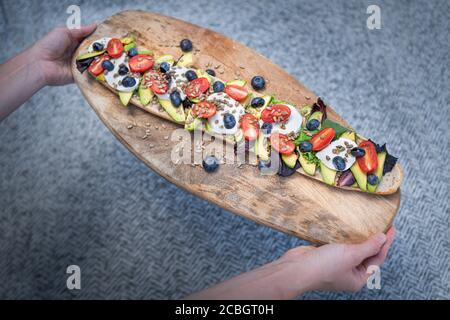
[{"x": 311, "y": 157}]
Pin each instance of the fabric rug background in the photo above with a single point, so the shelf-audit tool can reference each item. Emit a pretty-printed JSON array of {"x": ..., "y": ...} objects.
[{"x": 70, "y": 193}]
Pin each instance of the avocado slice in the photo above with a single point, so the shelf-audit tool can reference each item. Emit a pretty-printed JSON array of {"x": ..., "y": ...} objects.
[
  {"x": 290, "y": 160},
  {"x": 147, "y": 52},
  {"x": 165, "y": 58},
  {"x": 239, "y": 135},
  {"x": 127, "y": 40},
  {"x": 145, "y": 95},
  {"x": 261, "y": 148},
  {"x": 186, "y": 60},
  {"x": 176, "y": 113},
  {"x": 192, "y": 123},
  {"x": 316, "y": 115},
  {"x": 360, "y": 176},
  {"x": 129, "y": 46},
  {"x": 379, "y": 172},
  {"x": 100, "y": 77},
  {"x": 240, "y": 83},
  {"x": 349, "y": 135},
  {"x": 328, "y": 175},
  {"x": 90, "y": 55},
  {"x": 125, "y": 97},
  {"x": 309, "y": 167}
]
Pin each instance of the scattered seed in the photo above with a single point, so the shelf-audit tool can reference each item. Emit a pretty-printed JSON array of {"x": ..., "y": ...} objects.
[{"x": 130, "y": 126}]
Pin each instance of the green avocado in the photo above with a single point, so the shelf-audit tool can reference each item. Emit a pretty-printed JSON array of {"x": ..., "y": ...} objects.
[
  {"x": 90, "y": 55},
  {"x": 290, "y": 160},
  {"x": 192, "y": 123},
  {"x": 125, "y": 97},
  {"x": 239, "y": 83},
  {"x": 349, "y": 135},
  {"x": 127, "y": 40},
  {"x": 316, "y": 115},
  {"x": 309, "y": 167},
  {"x": 145, "y": 95},
  {"x": 165, "y": 58},
  {"x": 186, "y": 60},
  {"x": 239, "y": 135},
  {"x": 129, "y": 46},
  {"x": 261, "y": 148},
  {"x": 360, "y": 176},
  {"x": 328, "y": 175},
  {"x": 177, "y": 114},
  {"x": 379, "y": 172}
]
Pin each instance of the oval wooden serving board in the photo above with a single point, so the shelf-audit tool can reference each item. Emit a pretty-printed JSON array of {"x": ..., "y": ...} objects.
[{"x": 295, "y": 205}]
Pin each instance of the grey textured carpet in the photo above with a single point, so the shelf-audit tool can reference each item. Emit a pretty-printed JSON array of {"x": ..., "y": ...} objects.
[{"x": 70, "y": 193}]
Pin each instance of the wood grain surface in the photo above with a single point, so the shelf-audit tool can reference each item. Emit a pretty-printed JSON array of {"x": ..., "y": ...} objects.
[{"x": 295, "y": 205}]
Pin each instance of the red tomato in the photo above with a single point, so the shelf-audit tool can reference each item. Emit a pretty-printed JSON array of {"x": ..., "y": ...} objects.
[
  {"x": 368, "y": 163},
  {"x": 281, "y": 143},
  {"x": 95, "y": 68},
  {"x": 141, "y": 63},
  {"x": 249, "y": 126},
  {"x": 114, "y": 48},
  {"x": 204, "y": 109},
  {"x": 321, "y": 139},
  {"x": 276, "y": 113},
  {"x": 156, "y": 82},
  {"x": 196, "y": 87},
  {"x": 237, "y": 93}
]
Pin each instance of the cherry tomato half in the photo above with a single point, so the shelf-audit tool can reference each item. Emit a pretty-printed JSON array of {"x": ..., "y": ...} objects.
[
  {"x": 141, "y": 63},
  {"x": 369, "y": 162},
  {"x": 276, "y": 113},
  {"x": 281, "y": 143},
  {"x": 204, "y": 109},
  {"x": 196, "y": 87},
  {"x": 237, "y": 93},
  {"x": 321, "y": 139},
  {"x": 249, "y": 126},
  {"x": 156, "y": 81},
  {"x": 95, "y": 68},
  {"x": 115, "y": 48}
]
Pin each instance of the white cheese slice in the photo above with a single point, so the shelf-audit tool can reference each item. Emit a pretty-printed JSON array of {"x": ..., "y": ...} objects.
[
  {"x": 115, "y": 80},
  {"x": 225, "y": 104},
  {"x": 327, "y": 155},
  {"x": 104, "y": 41},
  {"x": 293, "y": 125}
]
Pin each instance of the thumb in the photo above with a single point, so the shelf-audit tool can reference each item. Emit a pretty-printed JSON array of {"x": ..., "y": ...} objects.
[
  {"x": 369, "y": 248},
  {"x": 83, "y": 31}
]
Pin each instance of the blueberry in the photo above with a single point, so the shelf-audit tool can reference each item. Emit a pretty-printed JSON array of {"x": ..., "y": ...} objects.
[
  {"x": 372, "y": 179},
  {"x": 190, "y": 75},
  {"x": 339, "y": 163},
  {"x": 164, "y": 67},
  {"x": 358, "y": 152},
  {"x": 186, "y": 45},
  {"x": 187, "y": 103},
  {"x": 312, "y": 124},
  {"x": 97, "y": 46},
  {"x": 218, "y": 86},
  {"x": 175, "y": 98},
  {"x": 210, "y": 164},
  {"x": 263, "y": 164},
  {"x": 123, "y": 70},
  {"x": 305, "y": 146},
  {"x": 129, "y": 82},
  {"x": 229, "y": 121},
  {"x": 132, "y": 52},
  {"x": 257, "y": 102},
  {"x": 258, "y": 83},
  {"x": 211, "y": 72},
  {"x": 266, "y": 128},
  {"x": 108, "y": 65}
]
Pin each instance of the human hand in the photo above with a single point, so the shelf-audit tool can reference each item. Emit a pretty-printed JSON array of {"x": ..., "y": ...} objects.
[
  {"x": 337, "y": 267},
  {"x": 53, "y": 53}
]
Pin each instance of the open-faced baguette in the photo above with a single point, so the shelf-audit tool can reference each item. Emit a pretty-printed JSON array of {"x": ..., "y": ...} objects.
[{"x": 389, "y": 183}]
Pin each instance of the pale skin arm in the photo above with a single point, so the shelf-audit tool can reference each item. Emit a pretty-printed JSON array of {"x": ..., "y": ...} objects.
[
  {"x": 47, "y": 62},
  {"x": 334, "y": 267}
]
